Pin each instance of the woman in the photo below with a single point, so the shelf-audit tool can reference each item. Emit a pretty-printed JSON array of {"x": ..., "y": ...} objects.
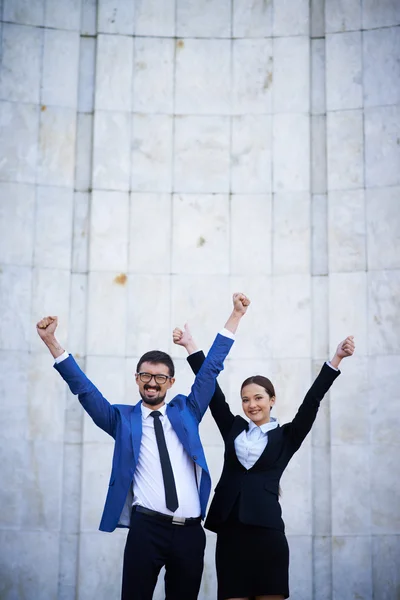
[{"x": 252, "y": 554}]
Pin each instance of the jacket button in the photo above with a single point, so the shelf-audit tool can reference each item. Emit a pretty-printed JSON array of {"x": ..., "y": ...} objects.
[{"x": 194, "y": 457}]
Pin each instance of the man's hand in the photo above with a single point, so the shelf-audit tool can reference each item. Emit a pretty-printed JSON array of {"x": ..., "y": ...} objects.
[
  {"x": 47, "y": 326},
  {"x": 184, "y": 338},
  {"x": 46, "y": 329},
  {"x": 344, "y": 349},
  {"x": 240, "y": 303}
]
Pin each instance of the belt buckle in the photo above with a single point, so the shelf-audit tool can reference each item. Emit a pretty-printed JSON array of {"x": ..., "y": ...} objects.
[{"x": 178, "y": 520}]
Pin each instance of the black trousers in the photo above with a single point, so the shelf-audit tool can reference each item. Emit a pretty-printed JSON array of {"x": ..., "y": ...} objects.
[{"x": 152, "y": 544}]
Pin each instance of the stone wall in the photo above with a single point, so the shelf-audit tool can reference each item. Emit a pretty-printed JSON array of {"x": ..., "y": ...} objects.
[{"x": 155, "y": 157}]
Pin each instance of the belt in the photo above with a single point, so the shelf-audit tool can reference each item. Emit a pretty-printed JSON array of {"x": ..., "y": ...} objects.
[{"x": 170, "y": 518}]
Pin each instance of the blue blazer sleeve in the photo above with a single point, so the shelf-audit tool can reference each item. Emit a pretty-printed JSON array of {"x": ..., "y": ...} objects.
[
  {"x": 218, "y": 406},
  {"x": 102, "y": 412},
  {"x": 204, "y": 385}
]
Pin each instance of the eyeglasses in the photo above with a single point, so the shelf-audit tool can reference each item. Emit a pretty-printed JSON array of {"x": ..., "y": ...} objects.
[{"x": 147, "y": 377}]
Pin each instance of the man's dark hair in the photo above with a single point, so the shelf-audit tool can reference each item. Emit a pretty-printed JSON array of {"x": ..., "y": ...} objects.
[{"x": 157, "y": 356}]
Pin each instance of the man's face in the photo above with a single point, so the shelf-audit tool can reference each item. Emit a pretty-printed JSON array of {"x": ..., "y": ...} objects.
[{"x": 153, "y": 390}]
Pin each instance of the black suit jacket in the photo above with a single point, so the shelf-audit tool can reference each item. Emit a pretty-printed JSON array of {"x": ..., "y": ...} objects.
[{"x": 256, "y": 491}]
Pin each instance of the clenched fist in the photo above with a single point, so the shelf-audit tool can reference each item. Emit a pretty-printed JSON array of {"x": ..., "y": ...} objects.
[
  {"x": 346, "y": 348},
  {"x": 240, "y": 303},
  {"x": 46, "y": 326}
]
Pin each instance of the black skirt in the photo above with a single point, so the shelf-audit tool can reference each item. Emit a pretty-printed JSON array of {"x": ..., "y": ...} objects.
[{"x": 251, "y": 561}]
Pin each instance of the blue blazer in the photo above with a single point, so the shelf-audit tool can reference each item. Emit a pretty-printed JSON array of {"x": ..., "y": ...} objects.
[{"x": 124, "y": 423}]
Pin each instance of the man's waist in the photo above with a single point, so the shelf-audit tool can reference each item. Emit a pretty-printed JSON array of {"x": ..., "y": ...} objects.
[{"x": 175, "y": 520}]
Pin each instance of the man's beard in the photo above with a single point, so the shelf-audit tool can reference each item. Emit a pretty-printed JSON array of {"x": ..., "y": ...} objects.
[{"x": 157, "y": 399}]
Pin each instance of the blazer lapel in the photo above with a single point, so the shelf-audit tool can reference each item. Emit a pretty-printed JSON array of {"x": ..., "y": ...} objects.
[
  {"x": 136, "y": 429},
  {"x": 176, "y": 422}
]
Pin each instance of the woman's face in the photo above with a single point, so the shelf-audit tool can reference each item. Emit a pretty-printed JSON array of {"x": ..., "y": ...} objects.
[{"x": 257, "y": 403}]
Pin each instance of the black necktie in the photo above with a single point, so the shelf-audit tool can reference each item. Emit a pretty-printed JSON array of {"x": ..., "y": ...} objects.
[{"x": 171, "y": 498}]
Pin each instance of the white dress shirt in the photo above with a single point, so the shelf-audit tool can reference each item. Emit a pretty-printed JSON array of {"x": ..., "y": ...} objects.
[{"x": 250, "y": 444}]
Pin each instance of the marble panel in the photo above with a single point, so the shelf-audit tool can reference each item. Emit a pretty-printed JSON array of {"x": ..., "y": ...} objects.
[
  {"x": 384, "y": 399},
  {"x": 291, "y": 17},
  {"x": 252, "y": 76},
  {"x": 204, "y": 246},
  {"x": 252, "y": 18},
  {"x": 291, "y": 326},
  {"x": 321, "y": 485},
  {"x": 96, "y": 470},
  {"x": 108, "y": 375},
  {"x": 385, "y": 566},
  {"x": 348, "y": 309},
  {"x": 345, "y": 150},
  {"x": 60, "y": 68},
  {"x": 106, "y": 551},
  {"x": 50, "y": 296},
  {"x": 16, "y": 214},
  {"x": 317, "y": 19},
  {"x": 291, "y": 162},
  {"x": 251, "y": 162},
  {"x": 21, "y": 63},
  {"x": 109, "y": 224},
  {"x": 322, "y": 567},
  {"x": 54, "y": 213},
  {"x": 384, "y": 14},
  {"x": 381, "y": 48},
  {"x": 350, "y": 408},
  {"x": 204, "y": 303},
  {"x": 77, "y": 330},
  {"x": 80, "y": 233},
  {"x": 208, "y": 589},
  {"x": 57, "y": 146},
  {"x": 14, "y": 370},
  {"x": 382, "y": 147},
  {"x": 344, "y": 80},
  {"x": 202, "y": 76},
  {"x": 201, "y": 146},
  {"x": 15, "y": 305},
  {"x": 32, "y": 498},
  {"x": 255, "y": 332},
  {"x": 296, "y": 494},
  {"x": 26, "y": 12},
  {"x": 87, "y": 70},
  {"x": 251, "y": 234},
  {"x": 114, "y": 69},
  {"x": 83, "y": 152},
  {"x": 342, "y": 15},
  {"x": 107, "y": 296},
  {"x": 291, "y": 87},
  {"x": 351, "y": 567},
  {"x": 116, "y": 16},
  {"x": 203, "y": 18},
  {"x": 153, "y": 75},
  {"x": 318, "y": 154},
  {"x": 66, "y": 15},
  {"x": 19, "y": 128},
  {"x": 154, "y": 18},
  {"x": 319, "y": 229},
  {"x": 383, "y": 227},
  {"x": 88, "y": 17},
  {"x": 385, "y": 489},
  {"x": 318, "y": 92},
  {"x": 291, "y": 233},
  {"x": 150, "y": 214},
  {"x": 151, "y": 168},
  {"x": 111, "y": 150},
  {"x": 384, "y": 312},
  {"x": 148, "y": 323},
  {"x": 346, "y": 231},
  {"x": 30, "y": 565},
  {"x": 300, "y": 566},
  {"x": 291, "y": 378},
  {"x": 69, "y": 547},
  {"x": 320, "y": 317}
]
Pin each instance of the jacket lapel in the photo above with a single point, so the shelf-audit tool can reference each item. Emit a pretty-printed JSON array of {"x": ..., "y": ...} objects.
[
  {"x": 176, "y": 422},
  {"x": 136, "y": 430}
]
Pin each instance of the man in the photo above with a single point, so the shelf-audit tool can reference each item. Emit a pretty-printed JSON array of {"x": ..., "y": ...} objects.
[{"x": 159, "y": 484}]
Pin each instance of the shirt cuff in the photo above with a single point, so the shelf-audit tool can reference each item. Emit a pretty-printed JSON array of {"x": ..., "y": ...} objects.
[
  {"x": 331, "y": 366},
  {"x": 227, "y": 333},
  {"x": 195, "y": 351},
  {"x": 60, "y": 358}
]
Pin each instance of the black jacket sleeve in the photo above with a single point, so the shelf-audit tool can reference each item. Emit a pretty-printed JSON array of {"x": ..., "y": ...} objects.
[
  {"x": 305, "y": 417},
  {"x": 219, "y": 407}
]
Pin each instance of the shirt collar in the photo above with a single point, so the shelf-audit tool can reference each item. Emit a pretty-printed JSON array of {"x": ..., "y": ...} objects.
[
  {"x": 273, "y": 423},
  {"x": 147, "y": 411}
]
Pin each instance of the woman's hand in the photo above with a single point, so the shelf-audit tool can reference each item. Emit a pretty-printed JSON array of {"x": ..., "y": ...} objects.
[{"x": 344, "y": 349}]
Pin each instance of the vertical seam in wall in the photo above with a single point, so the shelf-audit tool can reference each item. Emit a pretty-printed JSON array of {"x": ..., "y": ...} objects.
[{"x": 230, "y": 148}]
